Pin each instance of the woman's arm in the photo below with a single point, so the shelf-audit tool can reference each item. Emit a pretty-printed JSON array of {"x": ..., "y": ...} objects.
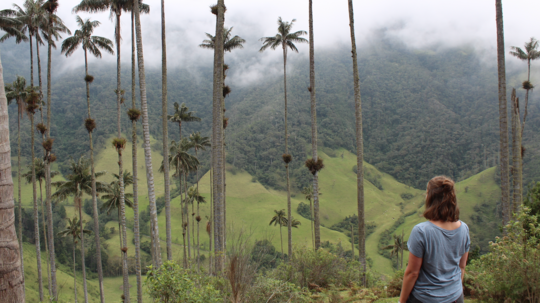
[
  {"x": 463, "y": 263},
  {"x": 409, "y": 279}
]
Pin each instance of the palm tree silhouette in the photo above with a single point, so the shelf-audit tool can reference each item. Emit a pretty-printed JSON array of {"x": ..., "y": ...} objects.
[
  {"x": 182, "y": 114},
  {"x": 73, "y": 229},
  {"x": 17, "y": 92},
  {"x": 79, "y": 182},
  {"x": 398, "y": 247},
  {"x": 11, "y": 25},
  {"x": 529, "y": 54},
  {"x": 286, "y": 39},
  {"x": 280, "y": 219}
]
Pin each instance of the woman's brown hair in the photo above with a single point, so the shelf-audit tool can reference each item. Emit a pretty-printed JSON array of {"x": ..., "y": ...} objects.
[{"x": 441, "y": 203}]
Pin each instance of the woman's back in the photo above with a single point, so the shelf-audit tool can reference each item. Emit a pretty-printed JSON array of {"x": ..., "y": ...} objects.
[{"x": 439, "y": 279}]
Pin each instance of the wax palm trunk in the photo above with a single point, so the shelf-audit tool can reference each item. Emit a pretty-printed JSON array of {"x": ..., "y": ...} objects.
[
  {"x": 359, "y": 149},
  {"x": 146, "y": 137},
  {"x": 74, "y": 274},
  {"x": 11, "y": 275},
  {"x": 217, "y": 130},
  {"x": 315, "y": 195},
  {"x": 19, "y": 116},
  {"x": 94, "y": 193},
  {"x": 36, "y": 212},
  {"x": 78, "y": 204},
  {"x": 165, "y": 132},
  {"x": 503, "y": 116},
  {"x": 135, "y": 169},
  {"x": 48, "y": 190},
  {"x": 516, "y": 155}
]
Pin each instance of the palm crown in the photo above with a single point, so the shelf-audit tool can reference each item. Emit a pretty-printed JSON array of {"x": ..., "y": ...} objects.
[
  {"x": 40, "y": 169},
  {"x": 180, "y": 158},
  {"x": 73, "y": 228},
  {"x": 83, "y": 36},
  {"x": 279, "y": 218},
  {"x": 530, "y": 53},
  {"x": 284, "y": 37},
  {"x": 228, "y": 43},
  {"x": 199, "y": 142},
  {"x": 18, "y": 92}
]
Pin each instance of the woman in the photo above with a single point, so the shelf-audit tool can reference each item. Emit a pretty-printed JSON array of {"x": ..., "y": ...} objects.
[{"x": 438, "y": 249}]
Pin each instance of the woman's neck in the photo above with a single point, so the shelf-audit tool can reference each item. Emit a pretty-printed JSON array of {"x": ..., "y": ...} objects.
[{"x": 447, "y": 224}]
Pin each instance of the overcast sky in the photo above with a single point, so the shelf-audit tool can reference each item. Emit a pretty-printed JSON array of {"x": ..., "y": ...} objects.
[{"x": 418, "y": 23}]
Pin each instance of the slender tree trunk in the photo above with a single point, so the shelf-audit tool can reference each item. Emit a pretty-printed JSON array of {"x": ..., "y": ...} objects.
[
  {"x": 146, "y": 136},
  {"x": 526, "y": 97},
  {"x": 39, "y": 79},
  {"x": 198, "y": 218},
  {"x": 45, "y": 238},
  {"x": 289, "y": 216},
  {"x": 11, "y": 272},
  {"x": 19, "y": 116},
  {"x": 48, "y": 191},
  {"x": 94, "y": 192},
  {"x": 315, "y": 195},
  {"x": 217, "y": 130},
  {"x": 209, "y": 228},
  {"x": 352, "y": 241},
  {"x": 165, "y": 132},
  {"x": 503, "y": 116},
  {"x": 359, "y": 149},
  {"x": 74, "y": 272},
  {"x": 31, "y": 61},
  {"x": 187, "y": 215},
  {"x": 311, "y": 221},
  {"x": 136, "y": 230},
  {"x": 513, "y": 168},
  {"x": 78, "y": 204},
  {"x": 281, "y": 237},
  {"x": 183, "y": 213},
  {"x": 516, "y": 155},
  {"x": 36, "y": 213}
]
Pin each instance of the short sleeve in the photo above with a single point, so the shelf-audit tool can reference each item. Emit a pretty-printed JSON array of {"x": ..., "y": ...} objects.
[
  {"x": 416, "y": 242},
  {"x": 467, "y": 240}
]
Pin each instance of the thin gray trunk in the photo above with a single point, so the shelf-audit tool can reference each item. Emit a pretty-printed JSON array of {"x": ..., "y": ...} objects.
[
  {"x": 74, "y": 272},
  {"x": 352, "y": 240},
  {"x": 359, "y": 150},
  {"x": 94, "y": 193},
  {"x": 36, "y": 214},
  {"x": 11, "y": 273},
  {"x": 503, "y": 116},
  {"x": 516, "y": 155},
  {"x": 48, "y": 191},
  {"x": 289, "y": 215},
  {"x": 217, "y": 131},
  {"x": 31, "y": 61},
  {"x": 39, "y": 79},
  {"x": 315, "y": 195},
  {"x": 82, "y": 250},
  {"x": 45, "y": 238},
  {"x": 19, "y": 116},
  {"x": 210, "y": 220},
  {"x": 136, "y": 231},
  {"x": 311, "y": 221},
  {"x": 526, "y": 97},
  {"x": 198, "y": 216},
  {"x": 187, "y": 216},
  {"x": 146, "y": 137},
  {"x": 165, "y": 132},
  {"x": 183, "y": 213}
]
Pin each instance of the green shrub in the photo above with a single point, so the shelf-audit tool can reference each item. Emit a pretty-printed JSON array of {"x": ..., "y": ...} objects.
[
  {"x": 304, "y": 210},
  {"x": 170, "y": 283},
  {"x": 512, "y": 269},
  {"x": 317, "y": 268},
  {"x": 275, "y": 291},
  {"x": 406, "y": 196}
]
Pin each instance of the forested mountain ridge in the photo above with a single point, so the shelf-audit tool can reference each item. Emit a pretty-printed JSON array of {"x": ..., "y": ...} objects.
[{"x": 425, "y": 112}]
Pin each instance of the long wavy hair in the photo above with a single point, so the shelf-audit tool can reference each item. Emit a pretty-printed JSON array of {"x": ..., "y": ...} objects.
[{"x": 441, "y": 202}]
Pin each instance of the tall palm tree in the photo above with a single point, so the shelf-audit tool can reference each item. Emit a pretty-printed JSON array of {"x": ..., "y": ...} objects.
[
  {"x": 503, "y": 116},
  {"x": 218, "y": 184},
  {"x": 146, "y": 136},
  {"x": 12, "y": 275},
  {"x": 230, "y": 43},
  {"x": 79, "y": 182},
  {"x": 11, "y": 25},
  {"x": 194, "y": 196},
  {"x": 90, "y": 44},
  {"x": 50, "y": 7},
  {"x": 134, "y": 115},
  {"x": 199, "y": 143},
  {"x": 398, "y": 247},
  {"x": 112, "y": 202},
  {"x": 182, "y": 114},
  {"x": 40, "y": 172},
  {"x": 315, "y": 157},
  {"x": 286, "y": 39},
  {"x": 17, "y": 92},
  {"x": 32, "y": 104},
  {"x": 529, "y": 54},
  {"x": 73, "y": 229},
  {"x": 280, "y": 219},
  {"x": 183, "y": 162},
  {"x": 359, "y": 149}
]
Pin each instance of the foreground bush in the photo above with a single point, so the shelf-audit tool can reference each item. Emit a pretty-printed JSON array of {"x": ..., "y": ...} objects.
[
  {"x": 268, "y": 290},
  {"x": 512, "y": 269},
  {"x": 317, "y": 269},
  {"x": 172, "y": 284}
]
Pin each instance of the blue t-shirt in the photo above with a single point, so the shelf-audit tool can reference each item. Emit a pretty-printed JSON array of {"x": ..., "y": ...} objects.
[{"x": 439, "y": 279}]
